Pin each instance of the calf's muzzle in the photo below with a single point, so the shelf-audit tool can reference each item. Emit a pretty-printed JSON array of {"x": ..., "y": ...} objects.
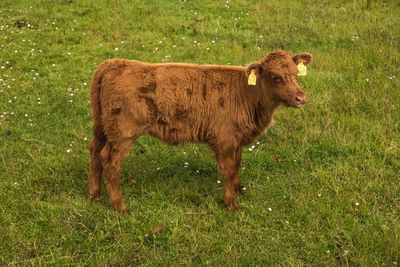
[{"x": 299, "y": 99}]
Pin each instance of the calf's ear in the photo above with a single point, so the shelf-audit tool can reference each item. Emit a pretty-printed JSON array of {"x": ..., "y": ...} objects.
[
  {"x": 305, "y": 57},
  {"x": 254, "y": 66}
]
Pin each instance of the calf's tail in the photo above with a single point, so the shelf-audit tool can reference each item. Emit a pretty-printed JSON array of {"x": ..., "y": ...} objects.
[{"x": 95, "y": 100}]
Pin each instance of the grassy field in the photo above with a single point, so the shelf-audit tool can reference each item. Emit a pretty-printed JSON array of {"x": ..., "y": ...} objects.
[{"x": 332, "y": 198}]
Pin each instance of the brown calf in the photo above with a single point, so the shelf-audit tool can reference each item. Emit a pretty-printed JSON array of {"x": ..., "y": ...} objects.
[{"x": 180, "y": 103}]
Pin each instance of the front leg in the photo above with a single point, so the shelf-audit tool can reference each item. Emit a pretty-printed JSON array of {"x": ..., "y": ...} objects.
[
  {"x": 227, "y": 164},
  {"x": 236, "y": 180}
]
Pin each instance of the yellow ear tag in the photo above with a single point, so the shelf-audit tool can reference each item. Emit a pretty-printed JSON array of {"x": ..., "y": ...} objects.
[
  {"x": 252, "y": 78},
  {"x": 302, "y": 69}
]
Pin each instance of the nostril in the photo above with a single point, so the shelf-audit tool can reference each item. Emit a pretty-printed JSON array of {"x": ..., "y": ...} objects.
[{"x": 298, "y": 99}]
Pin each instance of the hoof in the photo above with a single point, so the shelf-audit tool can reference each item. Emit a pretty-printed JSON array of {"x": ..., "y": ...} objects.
[
  {"x": 94, "y": 198},
  {"x": 94, "y": 194},
  {"x": 125, "y": 212},
  {"x": 120, "y": 207},
  {"x": 233, "y": 206}
]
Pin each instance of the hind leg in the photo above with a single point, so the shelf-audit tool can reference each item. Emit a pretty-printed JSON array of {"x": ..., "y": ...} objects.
[
  {"x": 112, "y": 156},
  {"x": 96, "y": 169}
]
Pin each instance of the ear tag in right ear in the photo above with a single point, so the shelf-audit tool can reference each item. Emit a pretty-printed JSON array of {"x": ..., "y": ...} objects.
[
  {"x": 302, "y": 69},
  {"x": 252, "y": 78}
]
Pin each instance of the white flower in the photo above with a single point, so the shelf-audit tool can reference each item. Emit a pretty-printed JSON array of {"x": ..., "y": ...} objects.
[
  {"x": 218, "y": 182},
  {"x": 68, "y": 150}
]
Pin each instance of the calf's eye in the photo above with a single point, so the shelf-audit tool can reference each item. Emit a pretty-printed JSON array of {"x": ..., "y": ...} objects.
[{"x": 277, "y": 79}]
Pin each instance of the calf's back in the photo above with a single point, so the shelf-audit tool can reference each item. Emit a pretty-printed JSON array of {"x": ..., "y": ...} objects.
[{"x": 174, "y": 102}]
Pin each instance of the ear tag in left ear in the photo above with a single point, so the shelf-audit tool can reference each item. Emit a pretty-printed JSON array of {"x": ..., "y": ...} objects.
[
  {"x": 302, "y": 69},
  {"x": 252, "y": 78}
]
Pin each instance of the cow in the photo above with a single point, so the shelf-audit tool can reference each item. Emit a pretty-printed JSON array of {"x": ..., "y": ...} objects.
[{"x": 179, "y": 103}]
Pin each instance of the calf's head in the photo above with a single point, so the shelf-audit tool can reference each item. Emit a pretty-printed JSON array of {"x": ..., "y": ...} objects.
[{"x": 277, "y": 75}]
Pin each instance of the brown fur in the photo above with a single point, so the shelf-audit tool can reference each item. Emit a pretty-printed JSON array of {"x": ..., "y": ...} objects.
[{"x": 180, "y": 103}]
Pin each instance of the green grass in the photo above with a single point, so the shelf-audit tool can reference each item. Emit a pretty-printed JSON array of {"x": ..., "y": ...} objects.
[{"x": 332, "y": 199}]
